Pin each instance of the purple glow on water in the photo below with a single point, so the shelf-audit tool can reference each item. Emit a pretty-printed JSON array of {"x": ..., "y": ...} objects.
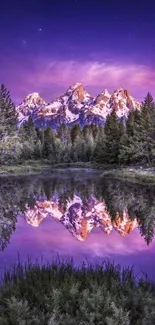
[{"x": 52, "y": 238}]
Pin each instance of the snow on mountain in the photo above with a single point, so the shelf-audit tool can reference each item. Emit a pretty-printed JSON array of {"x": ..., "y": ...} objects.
[
  {"x": 79, "y": 218},
  {"x": 68, "y": 106},
  {"x": 76, "y": 106},
  {"x": 123, "y": 102},
  {"x": 101, "y": 105},
  {"x": 29, "y": 106}
]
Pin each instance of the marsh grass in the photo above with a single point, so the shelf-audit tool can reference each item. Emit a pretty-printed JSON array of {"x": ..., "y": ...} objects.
[
  {"x": 42, "y": 166},
  {"x": 146, "y": 176},
  {"x": 60, "y": 293},
  {"x": 81, "y": 164},
  {"x": 25, "y": 168}
]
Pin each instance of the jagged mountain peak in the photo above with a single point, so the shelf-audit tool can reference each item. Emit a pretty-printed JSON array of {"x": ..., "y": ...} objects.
[
  {"x": 67, "y": 106},
  {"x": 80, "y": 218},
  {"x": 75, "y": 86},
  {"x": 122, "y": 91},
  {"x": 34, "y": 99},
  {"x": 34, "y": 94},
  {"x": 123, "y": 102},
  {"x": 29, "y": 106},
  {"x": 76, "y": 106},
  {"x": 104, "y": 97},
  {"x": 105, "y": 92},
  {"x": 78, "y": 93}
]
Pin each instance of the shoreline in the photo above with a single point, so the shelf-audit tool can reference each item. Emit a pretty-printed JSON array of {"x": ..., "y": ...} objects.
[
  {"x": 140, "y": 174},
  {"x": 135, "y": 175}
]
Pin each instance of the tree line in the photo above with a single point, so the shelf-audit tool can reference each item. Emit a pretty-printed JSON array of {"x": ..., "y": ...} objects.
[{"x": 124, "y": 141}]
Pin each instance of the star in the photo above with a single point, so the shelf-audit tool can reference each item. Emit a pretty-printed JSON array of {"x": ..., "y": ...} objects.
[{"x": 40, "y": 29}]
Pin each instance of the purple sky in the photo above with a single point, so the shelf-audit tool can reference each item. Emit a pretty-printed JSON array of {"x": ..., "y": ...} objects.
[{"x": 46, "y": 46}]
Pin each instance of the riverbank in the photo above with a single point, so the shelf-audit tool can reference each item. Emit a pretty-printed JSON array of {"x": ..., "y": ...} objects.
[
  {"x": 27, "y": 168},
  {"x": 139, "y": 175},
  {"x": 62, "y": 294},
  {"x": 134, "y": 174},
  {"x": 43, "y": 166}
]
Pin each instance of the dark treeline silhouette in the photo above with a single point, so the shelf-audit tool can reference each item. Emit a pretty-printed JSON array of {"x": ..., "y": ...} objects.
[{"x": 124, "y": 141}]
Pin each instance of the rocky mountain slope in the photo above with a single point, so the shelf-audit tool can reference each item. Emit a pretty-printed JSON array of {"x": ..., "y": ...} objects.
[
  {"x": 80, "y": 217},
  {"x": 76, "y": 106}
]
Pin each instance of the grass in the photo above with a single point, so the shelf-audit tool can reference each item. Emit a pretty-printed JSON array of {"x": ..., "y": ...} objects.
[
  {"x": 60, "y": 294},
  {"x": 134, "y": 174},
  {"x": 146, "y": 176},
  {"x": 40, "y": 166},
  {"x": 28, "y": 167},
  {"x": 81, "y": 164}
]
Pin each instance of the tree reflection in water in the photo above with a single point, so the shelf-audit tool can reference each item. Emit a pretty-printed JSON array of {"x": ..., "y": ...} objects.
[{"x": 77, "y": 199}]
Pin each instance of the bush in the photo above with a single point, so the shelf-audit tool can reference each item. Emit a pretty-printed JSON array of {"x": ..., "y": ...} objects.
[{"x": 60, "y": 294}]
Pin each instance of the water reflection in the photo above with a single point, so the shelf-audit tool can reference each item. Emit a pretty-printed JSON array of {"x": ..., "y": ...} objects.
[{"x": 77, "y": 206}]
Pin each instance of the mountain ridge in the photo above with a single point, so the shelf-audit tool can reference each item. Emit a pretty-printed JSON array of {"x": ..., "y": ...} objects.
[
  {"x": 80, "y": 218},
  {"x": 76, "y": 106}
]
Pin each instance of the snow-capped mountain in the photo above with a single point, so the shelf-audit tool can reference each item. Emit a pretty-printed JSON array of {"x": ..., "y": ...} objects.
[
  {"x": 29, "y": 107},
  {"x": 80, "y": 217},
  {"x": 76, "y": 106}
]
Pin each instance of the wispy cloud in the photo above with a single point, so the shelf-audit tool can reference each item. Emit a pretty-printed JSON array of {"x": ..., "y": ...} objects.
[
  {"x": 51, "y": 76},
  {"x": 95, "y": 73}
]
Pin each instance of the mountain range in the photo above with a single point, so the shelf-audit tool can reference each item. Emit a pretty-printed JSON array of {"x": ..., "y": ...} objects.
[
  {"x": 76, "y": 106},
  {"x": 80, "y": 217}
]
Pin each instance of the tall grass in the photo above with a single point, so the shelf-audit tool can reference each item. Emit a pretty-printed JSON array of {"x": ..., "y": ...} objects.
[{"x": 60, "y": 293}]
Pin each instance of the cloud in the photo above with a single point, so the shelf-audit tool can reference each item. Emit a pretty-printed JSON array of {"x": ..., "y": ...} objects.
[
  {"x": 50, "y": 77},
  {"x": 95, "y": 73}
]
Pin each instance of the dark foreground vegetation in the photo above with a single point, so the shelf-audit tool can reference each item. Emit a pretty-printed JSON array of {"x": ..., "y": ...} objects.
[{"x": 62, "y": 294}]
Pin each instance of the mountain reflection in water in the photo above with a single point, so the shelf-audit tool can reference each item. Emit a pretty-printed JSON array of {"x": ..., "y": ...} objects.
[{"x": 34, "y": 209}]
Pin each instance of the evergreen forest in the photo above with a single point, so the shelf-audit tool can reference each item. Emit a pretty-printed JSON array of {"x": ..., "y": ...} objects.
[{"x": 121, "y": 142}]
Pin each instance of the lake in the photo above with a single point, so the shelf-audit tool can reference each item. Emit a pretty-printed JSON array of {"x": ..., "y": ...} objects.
[{"x": 77, "y": 213}]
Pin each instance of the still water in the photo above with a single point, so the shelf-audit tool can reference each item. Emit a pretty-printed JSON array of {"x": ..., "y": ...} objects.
[{"x": 79, "y": 214}]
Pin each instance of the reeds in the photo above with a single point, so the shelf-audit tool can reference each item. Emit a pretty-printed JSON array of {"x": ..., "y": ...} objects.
[{"x": 61, "y": 293}]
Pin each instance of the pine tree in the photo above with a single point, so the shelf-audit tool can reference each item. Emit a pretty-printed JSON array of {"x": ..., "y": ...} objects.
[
  {"x": 148, "y": 101},
  {"x": 75, "y": 131},
  {"x": 144, "y": 135},
  {"x": 127, "y": 146},
  {"x": 136, "y": 144},
  {"x": 121, "y": 131},
  {"x": 8, "y": 114},
  {"x": 88, "y": 138},
  {"x": 49, "y": 147},
  {"x": 125, "y": 149},
  {"x": 95, "y": 129},
  {"x": 64, "y": 135},
  {"x": 27, "y": 131},
  {"x": 130, "y": 123},
  {"x": 121, "y": 127},
  {"x": 112, "y": 139},
  {"x": 99, "y": 149},
  {"x": 79, "y": 149}
]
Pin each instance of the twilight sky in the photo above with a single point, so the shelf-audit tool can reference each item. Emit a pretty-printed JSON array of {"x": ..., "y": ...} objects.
[{"x": 48, "y": 45}]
